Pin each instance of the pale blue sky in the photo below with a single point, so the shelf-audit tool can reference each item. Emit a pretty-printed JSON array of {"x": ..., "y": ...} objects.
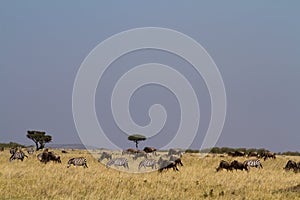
[{"x": 256, "y": 46}]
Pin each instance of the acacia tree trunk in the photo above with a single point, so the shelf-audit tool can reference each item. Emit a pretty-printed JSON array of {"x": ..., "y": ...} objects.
[{"x": 136, "y": 144}]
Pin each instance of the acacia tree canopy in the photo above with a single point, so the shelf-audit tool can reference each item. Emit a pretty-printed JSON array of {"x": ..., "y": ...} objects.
[
  {"x": 39, "y": 138},
  {"x": 136, "y": 138}
]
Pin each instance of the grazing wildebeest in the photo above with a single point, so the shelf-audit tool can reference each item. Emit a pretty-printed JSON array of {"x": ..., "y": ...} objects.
[
  {"x": 18, "y": 155},
  {"x": 166, "y": 164},
  {"x": 105, "y": 155},
  {"x": 174, "y": 152},
  {"x": 139, "y": 154},
  {"x": 80, "y": 161},
  {"x": 64, "y": 151},
  {"x": 47, "y": 156},
  {"x": 148, "y": 163},
  {"x": 224, "y": 165},
  {"x": 176, "y": 159},
  {"x": 1, "y": 148},
  {"x": 238, "y": 165},
  {"x": 253, "y": 163},
  {"x": 30, "y": 150},
  {"x": 292, "y": 165},
  {"x": 118, "y": 162},
  {"x": 150, "y": 150},
  {"x": 268, "y": 154},
  {"x": 252, "y": 154},
  {"x": 129, "y": 151}
]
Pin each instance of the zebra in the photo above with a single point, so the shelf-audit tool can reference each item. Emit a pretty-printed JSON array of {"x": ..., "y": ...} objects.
[
  {"x": 292, "y": 165},
  {"x": 140, "y": 154},
  {"x": 148, "y": 163},
  {"x": 253, "y": 163},
  {"x": 12, "y": 151},
  {"x": 19, "y": 155},
  {"x": 30, "y": 150},
  {"x": 176, "y": 159},
  {"x": 105, "y": 155},
  {"x": 118, "y": 162},
  {"x": 80, "y": 161}
]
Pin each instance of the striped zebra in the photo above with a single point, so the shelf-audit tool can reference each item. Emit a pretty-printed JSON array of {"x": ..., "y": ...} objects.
[
  {"x": 80, "y": 161},
  {"x": 148, "y": 163},
  {"x": 253, "y": 163},
  {"x": 30, "y": 150},
  {"x": 105, "y": 155},
  {"x": 19, "y": 155},
  {"x": 118, "y": 162}
]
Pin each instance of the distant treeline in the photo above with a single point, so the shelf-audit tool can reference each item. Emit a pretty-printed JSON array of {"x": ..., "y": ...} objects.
[
  {"x": 11, "y": 145},
  {"x": 221, "y": 150}
]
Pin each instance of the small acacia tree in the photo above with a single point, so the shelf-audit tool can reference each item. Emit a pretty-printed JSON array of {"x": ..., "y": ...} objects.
[
  {"x": 136, "y": 138},
  {"x": 39, "y": 138}
]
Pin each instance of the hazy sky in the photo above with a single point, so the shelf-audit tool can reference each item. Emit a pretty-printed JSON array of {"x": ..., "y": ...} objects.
[{"x": 256, "y": 46}]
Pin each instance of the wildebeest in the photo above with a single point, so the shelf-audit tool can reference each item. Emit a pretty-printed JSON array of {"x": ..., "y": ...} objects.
[
  {"x": 18, "y": 155},
  {"x": 176, "y": 159},
  {"x": 238, "y": 165},
  {"x": 268, "y": 154},
  {"x": 129, "y": 151},
  {"x": 236, "y": 153},
  {"x": 80, "y": 161},
  {"x": 252, "y": 154},
  {"x": 150, "y": 150},
  {"x": 166, "y": 164},
  {"x": 47, "y": 156},
  {"x": 1, "y": 148},
  {"x": 292, "y": 165},
  {"x": 64, "y": 151},
  {"x": 253, "y": 163},
  {"x": 174, "y": 152},
  {"x": 105, "y": 155},
  {"x": 224, "y": 165},
  {"x": 147, "y": 163},
  {"x": 118, "y": 162}
]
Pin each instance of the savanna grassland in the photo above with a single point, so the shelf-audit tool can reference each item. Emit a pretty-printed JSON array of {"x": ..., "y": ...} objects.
[{"x": 197, "y": 179}]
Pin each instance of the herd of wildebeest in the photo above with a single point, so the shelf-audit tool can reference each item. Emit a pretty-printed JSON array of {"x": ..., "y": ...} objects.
[{"x": 150, "y": 158}]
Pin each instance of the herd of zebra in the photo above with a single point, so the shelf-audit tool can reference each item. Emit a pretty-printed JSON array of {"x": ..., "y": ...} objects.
[
  {"x": 174, "y": 159},
  {"x": 169, "y": 161}
]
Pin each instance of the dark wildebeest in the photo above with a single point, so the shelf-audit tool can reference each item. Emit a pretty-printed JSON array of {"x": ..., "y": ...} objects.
[
  {"x": 292, "y": 165},
  {"x": 176, "y": 159},
  {"x": 150, "y": 150},
  {"x": 224, "y": 165},
  {"x": 1, "y": 148},
  {"x": 12, "y": 151},
  {"x": 174, "y": 152},
  {"x": 105, "y": 155},
  {"x": 129, "y": 151},
  {"x": 64, "y": 151},
  {"x": 252, "y": 154},
  {"x": 166, "y": 164},
  {"x": 47, "y": 156},
  {"x": 268, "y": 154},
  {"x": 238, "y": 165}
]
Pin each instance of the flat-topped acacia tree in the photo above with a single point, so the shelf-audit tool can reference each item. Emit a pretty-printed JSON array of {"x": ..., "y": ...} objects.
[
  {"x": 136, "y": 138},
  {"x": 39, "y": 138}
]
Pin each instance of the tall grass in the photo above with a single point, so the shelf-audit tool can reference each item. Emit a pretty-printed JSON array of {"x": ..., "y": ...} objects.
[{"x": 197, "y": 179}]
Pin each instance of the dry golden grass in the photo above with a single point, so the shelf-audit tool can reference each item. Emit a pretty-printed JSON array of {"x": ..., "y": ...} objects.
[{"x": 197, "y": 179}]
